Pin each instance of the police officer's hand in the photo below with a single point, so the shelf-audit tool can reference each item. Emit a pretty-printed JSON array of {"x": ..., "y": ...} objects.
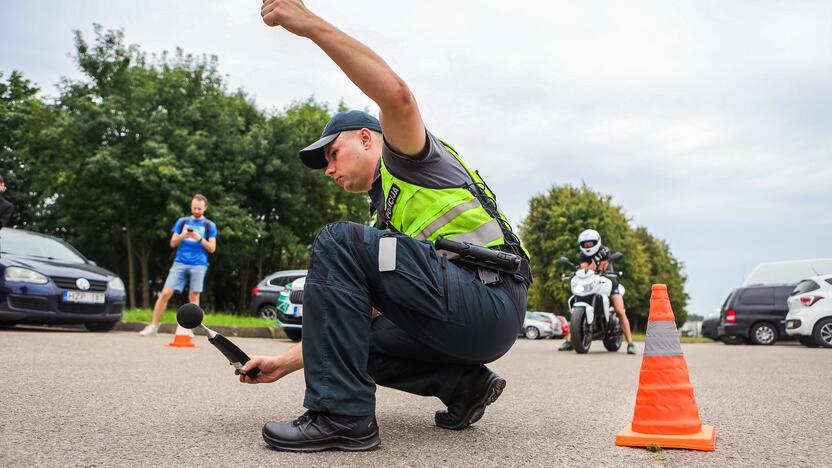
[
  {"x": 292, "y": 15},
  {"x": 269, "y": 370},
  {"x": 273, "y": 368}
]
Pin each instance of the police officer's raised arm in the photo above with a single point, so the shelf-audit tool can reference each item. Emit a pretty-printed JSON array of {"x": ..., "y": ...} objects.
[{"x": 401, "y": 121}]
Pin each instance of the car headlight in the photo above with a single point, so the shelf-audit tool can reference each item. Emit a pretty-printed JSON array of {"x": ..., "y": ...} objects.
[
  {"x": 116, "y": 284},
  {"x": 24, "y": 275}
]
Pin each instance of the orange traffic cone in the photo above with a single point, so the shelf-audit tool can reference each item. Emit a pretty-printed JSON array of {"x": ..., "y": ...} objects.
[
  {"x": 182, "y": 339},
  {"x": 666, "y": 413}
]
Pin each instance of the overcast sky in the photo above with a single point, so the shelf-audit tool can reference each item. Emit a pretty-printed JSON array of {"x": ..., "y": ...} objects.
[{"x": 709, "y": 122}]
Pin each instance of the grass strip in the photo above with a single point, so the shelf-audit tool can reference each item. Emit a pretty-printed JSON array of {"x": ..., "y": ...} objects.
[{"x": 211, "y": 319}]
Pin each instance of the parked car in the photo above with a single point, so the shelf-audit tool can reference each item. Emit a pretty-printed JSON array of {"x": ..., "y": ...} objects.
[
  {"x": 537, "y": 326},
  {"x": 290, "y": 309},
  {"x": 44, "y": 280},
  {"x": 810, "y": 312},
  {"x": 710, "y": 327},
  {"x": 557, "y": 325},
  {"x": 264, "y": 296},
  {"x": 755, "y": 314}
]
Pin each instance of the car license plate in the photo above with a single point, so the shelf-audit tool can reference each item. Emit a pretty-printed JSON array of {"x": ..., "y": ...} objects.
[
  {"x": 83, "y": 297},
  {"x": 296, "y": 311}
]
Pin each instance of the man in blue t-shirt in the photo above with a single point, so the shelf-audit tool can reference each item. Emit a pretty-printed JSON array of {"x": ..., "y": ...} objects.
[{"x": 194, "y": 237}]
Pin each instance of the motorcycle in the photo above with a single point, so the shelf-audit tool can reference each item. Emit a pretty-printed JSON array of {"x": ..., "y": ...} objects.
[{"x": 593, "y": 316}]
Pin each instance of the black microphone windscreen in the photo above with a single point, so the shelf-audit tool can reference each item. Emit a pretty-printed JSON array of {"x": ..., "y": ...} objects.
[{"x": 189, "y": 315}]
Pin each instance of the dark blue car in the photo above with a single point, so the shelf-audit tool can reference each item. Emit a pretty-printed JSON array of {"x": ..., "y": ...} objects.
[{"x": 44, "y": 280}]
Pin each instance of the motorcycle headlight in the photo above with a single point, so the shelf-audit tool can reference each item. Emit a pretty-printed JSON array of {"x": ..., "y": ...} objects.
[
  {"x": 590, "y": 286},
  {"x": 116, "y": 284},
  {"x": 24, "y": 275}
]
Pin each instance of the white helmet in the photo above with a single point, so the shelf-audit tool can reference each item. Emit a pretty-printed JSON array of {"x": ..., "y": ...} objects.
[{"x": 590, "y": 242}]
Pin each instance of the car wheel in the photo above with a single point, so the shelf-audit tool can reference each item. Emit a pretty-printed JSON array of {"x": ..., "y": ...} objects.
[
  {"x": 732, "y": 339},
  {"x": 293, "y": 333},
  {"x": 100, "y": 326},
  {"x": 823, "y": 332},
  {"x": 808, "y": 341},
  {"x": 532, "y": 333},
  {"x": 763, "y": 333},
  {"x": 268, "y": 312}
]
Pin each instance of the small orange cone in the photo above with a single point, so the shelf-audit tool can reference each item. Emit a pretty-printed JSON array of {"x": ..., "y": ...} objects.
[
  {"x": 666, "y": 413},
  {"x": 182, "y": 339}
]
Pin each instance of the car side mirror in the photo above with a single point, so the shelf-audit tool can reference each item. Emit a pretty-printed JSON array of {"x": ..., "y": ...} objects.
[{"x": 616, "y": 256}]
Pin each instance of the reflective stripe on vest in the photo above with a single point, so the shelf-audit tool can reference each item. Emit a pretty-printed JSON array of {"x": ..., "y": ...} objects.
[
  {"x": 447, "y": 218},
  {"x": 483, "y": 235},
  {"x": 662, "y": 339}
]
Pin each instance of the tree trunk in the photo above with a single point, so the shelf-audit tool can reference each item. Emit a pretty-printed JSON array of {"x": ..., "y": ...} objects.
[
  {"x": 245, "y": 274},
  {"x": 144, "y": 258},
  {"x": 131, "y": 279},
  {"x": 260, "y": 259}
]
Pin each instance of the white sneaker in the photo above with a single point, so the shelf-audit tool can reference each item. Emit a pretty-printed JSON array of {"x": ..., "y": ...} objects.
[{"x": 149, "y": 330}]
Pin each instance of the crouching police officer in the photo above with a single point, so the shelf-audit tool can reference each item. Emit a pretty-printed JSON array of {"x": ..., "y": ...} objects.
[{"x": 381, "y": 304}]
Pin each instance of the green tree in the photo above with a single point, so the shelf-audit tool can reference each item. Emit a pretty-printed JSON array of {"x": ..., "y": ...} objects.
[
  {"x": 29, "y": 134},
  {"x": 115, "y": 159}
]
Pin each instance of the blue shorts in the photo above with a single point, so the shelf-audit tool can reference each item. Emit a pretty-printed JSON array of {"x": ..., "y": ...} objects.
[{"x": 181, "y": 274}]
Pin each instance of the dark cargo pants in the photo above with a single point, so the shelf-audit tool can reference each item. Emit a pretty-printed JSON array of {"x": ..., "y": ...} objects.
[{"x": 438, "y": 322}]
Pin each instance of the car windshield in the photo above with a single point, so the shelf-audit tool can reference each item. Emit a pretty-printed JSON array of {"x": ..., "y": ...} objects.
[{"x": 24, "y": 244}]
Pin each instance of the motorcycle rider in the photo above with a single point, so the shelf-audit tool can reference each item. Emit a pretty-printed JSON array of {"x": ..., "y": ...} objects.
[{"x": 595, "y": 256}]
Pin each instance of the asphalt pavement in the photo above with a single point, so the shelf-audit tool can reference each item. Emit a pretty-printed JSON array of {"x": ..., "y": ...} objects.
[{"x": 74, "y": 398}]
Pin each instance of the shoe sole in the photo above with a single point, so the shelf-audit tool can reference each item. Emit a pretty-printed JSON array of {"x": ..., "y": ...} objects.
[
  {"x": 495, "y": 389},
  {"x": 370, "y": 442}
]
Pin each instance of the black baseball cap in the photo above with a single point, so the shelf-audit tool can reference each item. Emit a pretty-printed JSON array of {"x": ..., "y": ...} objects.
[{"x": 313, "y": 155}]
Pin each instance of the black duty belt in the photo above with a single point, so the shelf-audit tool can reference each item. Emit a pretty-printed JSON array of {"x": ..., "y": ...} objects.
[{"x": 482, "y": 257}]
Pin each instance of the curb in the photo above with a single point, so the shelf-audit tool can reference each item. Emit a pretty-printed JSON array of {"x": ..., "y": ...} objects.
[{"x": 240, "y": 332}]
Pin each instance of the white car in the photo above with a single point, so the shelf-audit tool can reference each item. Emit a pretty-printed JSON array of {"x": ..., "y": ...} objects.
[
  {"x": 557, "y": 326},
  {"x": 290, "y": 309},
  {"x": 810, "y": 312},
  {"x": 537, "y": 326}
]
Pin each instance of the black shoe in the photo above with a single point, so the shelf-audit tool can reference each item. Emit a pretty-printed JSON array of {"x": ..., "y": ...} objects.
[
  {"x": 315, "y": 431},
  {"x": 469, "y": 406}
]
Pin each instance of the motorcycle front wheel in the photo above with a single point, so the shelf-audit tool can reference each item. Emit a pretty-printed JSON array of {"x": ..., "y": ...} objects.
[{"x": 581, "y": 331}]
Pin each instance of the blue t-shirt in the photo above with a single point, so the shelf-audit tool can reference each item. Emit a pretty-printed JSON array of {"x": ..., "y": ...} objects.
[{"x": 191, "y": 251}]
